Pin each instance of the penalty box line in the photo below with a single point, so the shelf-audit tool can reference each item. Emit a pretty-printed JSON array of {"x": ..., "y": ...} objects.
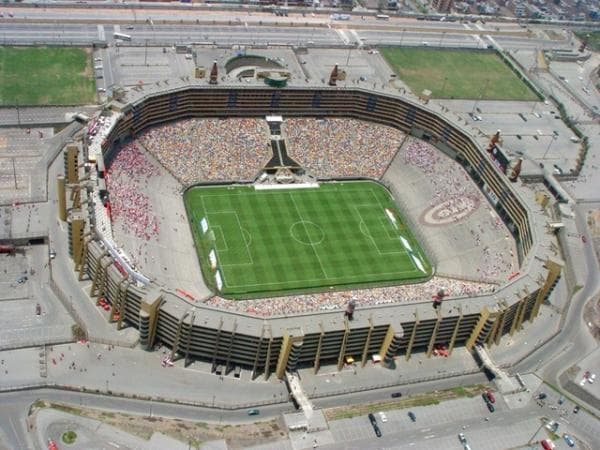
[
  {"x": 397, "y": 252},
  {"x": 241, "y": 231}
]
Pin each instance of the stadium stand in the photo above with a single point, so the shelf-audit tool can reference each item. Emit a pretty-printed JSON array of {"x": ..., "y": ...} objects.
[{"x": 282, "y": 342}]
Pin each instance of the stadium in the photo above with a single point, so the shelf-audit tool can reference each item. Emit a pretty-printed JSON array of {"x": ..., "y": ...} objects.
[{"x": 393, "y": 231}]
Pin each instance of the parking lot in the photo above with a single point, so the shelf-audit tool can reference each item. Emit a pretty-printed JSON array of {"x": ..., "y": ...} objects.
[
  {"x": 532, "y": 130},
  {"x": 22, "y": 297},
  {"x": 22, "y": 170},
  {"x": 520, "y": 425}
]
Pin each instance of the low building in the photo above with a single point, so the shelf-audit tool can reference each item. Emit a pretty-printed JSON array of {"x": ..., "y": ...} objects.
[{"x": 442, "y": 5}]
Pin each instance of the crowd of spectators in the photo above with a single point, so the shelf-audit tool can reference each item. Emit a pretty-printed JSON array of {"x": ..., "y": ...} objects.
[
  {"x": 341, "y": 147},
  {"x": 337, "y": 300},
  {"x": 451, "y": 186},
  {"x": 195, "y": 150},
  {"x": 127, "y": 179}
]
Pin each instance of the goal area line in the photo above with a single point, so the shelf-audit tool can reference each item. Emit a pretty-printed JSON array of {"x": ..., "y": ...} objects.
[{"x": 271, "y": 187}]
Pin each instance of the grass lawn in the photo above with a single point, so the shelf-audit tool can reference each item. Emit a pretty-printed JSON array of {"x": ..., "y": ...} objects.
[
  {"x": 46, "y": 76},
  {"x": 281, "y": 241},
  {"x": 69, "y": 437},
  {"x": 457, "y": 74},
  {"x": 593, "y": 38},
  {"x": 426, "y": 399}
]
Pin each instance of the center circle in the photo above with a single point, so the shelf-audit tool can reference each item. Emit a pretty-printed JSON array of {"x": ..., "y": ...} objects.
[{"x": 307, "y": 233}]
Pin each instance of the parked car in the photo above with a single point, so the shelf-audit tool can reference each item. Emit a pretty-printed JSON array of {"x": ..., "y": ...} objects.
[
  {"x": 547, "y": 444},
  {"x": 490, "y": 407},
  {"x": 382, "y": 416},
  {"x": 569, "y": 440},
  {"x": 485, "y": 397},
  {"x": 541, "y": 396},
  {"x": 412, "y": 416},
  {"x": 491, "y": 397},
  {"x": 377, "y": 430},
  {"x": 462, "y": 438},
  {"x": 373, "y": 421},
  {"x": 576, "y": 409}
]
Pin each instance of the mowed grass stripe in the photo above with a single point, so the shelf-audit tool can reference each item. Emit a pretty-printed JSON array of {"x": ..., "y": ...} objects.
[{"x": 303, "y": 239}]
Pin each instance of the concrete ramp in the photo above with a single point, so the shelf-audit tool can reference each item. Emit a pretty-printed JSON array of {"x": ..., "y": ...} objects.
[
  {"x": 310, "y": 419},
  {"x": 503, "y": 381}
]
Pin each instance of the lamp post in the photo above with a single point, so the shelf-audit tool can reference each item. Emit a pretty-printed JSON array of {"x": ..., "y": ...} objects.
[
  {"x": 443, "y": 87},
  {"x": 481, "y": 94},
  {"x": 14, "y": 173},
  {"x": 549, "y": 145}
]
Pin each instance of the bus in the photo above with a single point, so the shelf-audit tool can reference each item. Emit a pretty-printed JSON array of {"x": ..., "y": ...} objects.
[
  {"x": 121, "y": 36},
  {"x": 382, "y": 17}
]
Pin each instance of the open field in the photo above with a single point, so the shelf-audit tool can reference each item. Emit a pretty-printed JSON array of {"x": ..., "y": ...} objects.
[
  {"x": 593, "y": 38},
  {"x": 457, "y": 74},
  {"x": 273, "y": 242},
  {"x": 46, "y": 76}
]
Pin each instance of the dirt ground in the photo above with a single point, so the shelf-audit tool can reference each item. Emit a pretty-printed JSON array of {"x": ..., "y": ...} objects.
[{"x": 195, "y": 433}]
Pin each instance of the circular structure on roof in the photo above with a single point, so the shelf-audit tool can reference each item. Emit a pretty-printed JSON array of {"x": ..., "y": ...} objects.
[{"x": 244, "y": 62}]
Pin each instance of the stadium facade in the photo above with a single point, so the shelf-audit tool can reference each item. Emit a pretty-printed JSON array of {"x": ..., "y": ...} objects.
[{"x": 276, "y": 344}]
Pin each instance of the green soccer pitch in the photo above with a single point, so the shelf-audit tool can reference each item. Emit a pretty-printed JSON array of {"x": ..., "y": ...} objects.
[{"x": 283, "y": 241}]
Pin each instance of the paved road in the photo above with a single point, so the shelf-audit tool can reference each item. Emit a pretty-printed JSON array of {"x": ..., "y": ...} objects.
[
  {"x": 438, "y": 426},
  {"x": 76, "y": 34},
  {"x": 411, "y": 389},
  {"x": 575, "y": 341},
  {"x": 15, "y": 405},
  {"x": 149, "y": 26}
]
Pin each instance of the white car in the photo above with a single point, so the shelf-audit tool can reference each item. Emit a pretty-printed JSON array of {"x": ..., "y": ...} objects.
[
  {"x": 592, "y": 378},
  {"x": 382, "y": 416},
  {"x": 582, "y": 382}
]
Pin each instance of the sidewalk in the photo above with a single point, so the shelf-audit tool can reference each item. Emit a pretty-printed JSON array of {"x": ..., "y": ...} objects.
[
  {"x": 516, "y": 347},
  {"x": 135, "y": 373},
  {"x": 329, "y": 381}
]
